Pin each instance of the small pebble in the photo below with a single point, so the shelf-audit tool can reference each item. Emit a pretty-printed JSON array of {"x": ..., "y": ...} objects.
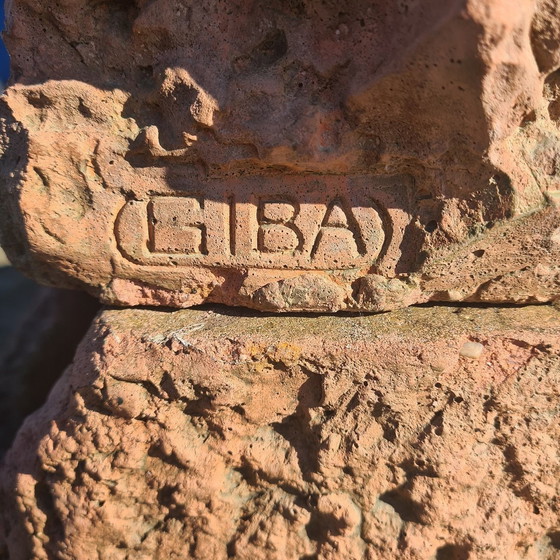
[
  {"x": 454, "y": 295},
  {"x": 472, "y": 350}
]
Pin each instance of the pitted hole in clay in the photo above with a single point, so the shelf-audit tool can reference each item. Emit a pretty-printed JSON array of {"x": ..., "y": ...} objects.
[
  {"x": 38, "y": 99},
  {"x": 554, "y": 537},
  {"x": 431, "y": 226},
  {"x": 406, "y": 507},
  {"x": 453, "y": 552}
]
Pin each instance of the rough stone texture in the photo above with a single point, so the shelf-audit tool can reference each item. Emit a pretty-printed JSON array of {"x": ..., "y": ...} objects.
[
  {"x": 285, "y": 155},
  {"x": 209, "y": 434}
]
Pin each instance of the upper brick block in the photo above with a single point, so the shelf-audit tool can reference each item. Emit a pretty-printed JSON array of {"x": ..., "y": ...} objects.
[{"x": 284, "y": 155}]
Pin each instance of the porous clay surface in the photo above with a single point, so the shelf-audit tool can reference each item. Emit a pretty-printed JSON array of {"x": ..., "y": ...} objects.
[
  {"x": 299, "y": 155},
  {"x": 425, "y": 433}
]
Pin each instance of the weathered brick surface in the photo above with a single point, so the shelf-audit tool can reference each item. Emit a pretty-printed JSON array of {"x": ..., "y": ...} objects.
[
  {"x": 209, "y": 434},
  {"x": 284, "y": 155}
]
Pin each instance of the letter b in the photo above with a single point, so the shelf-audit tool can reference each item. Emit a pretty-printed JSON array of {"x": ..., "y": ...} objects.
[{"x": 277, "y": 232}]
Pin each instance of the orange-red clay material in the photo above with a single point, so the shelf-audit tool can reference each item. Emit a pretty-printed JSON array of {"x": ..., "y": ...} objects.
[
  {"x": 286, "y": 156},
  {"x": 215, "y": 434}
]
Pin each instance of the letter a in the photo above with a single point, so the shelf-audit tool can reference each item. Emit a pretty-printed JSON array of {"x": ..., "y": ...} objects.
[{"x": 339, "y": 235}]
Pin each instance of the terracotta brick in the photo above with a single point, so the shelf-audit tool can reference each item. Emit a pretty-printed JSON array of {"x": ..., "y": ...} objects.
[
  {"x": 214, "y": 434},
  {"x": 378, "y": 154}
]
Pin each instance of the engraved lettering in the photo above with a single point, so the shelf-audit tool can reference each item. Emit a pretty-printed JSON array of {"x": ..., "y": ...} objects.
[
  {"x": 339, "y": 234},
  {"x": 176, "y": 225},
  {"x": 305, "y": 223},
  {"x": 277, "y": 232}
]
